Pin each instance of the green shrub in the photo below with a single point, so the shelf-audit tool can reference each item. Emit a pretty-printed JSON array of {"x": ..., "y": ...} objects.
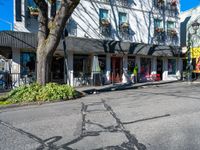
[{"x": 36, "y": 92}]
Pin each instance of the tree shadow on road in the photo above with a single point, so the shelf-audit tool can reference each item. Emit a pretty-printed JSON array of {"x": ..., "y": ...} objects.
[{"x": 50, "y": 143}]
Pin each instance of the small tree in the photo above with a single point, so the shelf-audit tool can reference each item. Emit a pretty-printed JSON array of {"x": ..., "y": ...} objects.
[{"x": 49, "y": 34}]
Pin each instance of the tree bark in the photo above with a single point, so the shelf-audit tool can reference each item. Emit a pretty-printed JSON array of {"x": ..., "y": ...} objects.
[{"x": 49, "y": 36}]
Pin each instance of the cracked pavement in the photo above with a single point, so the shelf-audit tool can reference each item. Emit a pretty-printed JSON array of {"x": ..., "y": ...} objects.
[{"x": 161, "y": 117}]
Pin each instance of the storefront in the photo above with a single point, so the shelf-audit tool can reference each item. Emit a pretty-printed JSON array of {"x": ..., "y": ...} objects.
[{"x": 115, "y": 59}]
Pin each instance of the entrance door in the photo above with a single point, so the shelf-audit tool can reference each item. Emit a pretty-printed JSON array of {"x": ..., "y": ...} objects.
[
  {"x": 116, "y": 69},
  {"x": 57, "y": 70},
  {"x": 160, "y": 67}
]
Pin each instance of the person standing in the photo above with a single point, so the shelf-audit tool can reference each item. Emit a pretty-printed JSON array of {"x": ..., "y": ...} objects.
[{"x": 135, "y": 72}]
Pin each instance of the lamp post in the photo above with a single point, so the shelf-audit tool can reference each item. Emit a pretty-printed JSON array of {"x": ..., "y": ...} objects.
[
  {"x": 65, "y": 34},
  {"x": 195, "y": 26}
]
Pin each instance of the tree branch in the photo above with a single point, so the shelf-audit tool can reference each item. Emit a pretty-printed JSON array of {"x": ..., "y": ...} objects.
[
  {"x": 43, "y": 21},
  {"x": 59, "y": 22}
]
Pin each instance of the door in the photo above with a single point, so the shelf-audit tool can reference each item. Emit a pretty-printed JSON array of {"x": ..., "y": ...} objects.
[
  {"x": 160, "y": 67},
  {"x": 57, "y": 70},
  {"x": 116, "y": 69}
]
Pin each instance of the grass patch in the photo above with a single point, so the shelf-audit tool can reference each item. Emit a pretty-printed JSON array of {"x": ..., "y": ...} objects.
[{"x": 38, "y": 93}]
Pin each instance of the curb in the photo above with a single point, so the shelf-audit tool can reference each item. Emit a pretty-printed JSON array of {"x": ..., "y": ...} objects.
[{"x": 125, "y": 87}]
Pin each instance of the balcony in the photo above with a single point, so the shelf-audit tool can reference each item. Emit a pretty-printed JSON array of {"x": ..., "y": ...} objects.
[
  {"x": 172, "y": 6},
  {"x": 33, "y": 12},
  {"x": 125, "y": 3},
  {"x": 159, "y": 35},
  {"x": 159, "y": 3},
  {"x": 105, "y": 27},
  {"x": 172, "y": 37},
  {"x": 104, "y": 1},
  {"x": 124, "y": 31}
]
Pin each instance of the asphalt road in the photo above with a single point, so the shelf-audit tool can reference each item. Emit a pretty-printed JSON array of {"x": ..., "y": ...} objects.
[{"x": 164, "y": 117}]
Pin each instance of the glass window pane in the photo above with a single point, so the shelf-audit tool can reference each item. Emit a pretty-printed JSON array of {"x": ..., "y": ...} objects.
[
  {"x": 103, "y": 14},
  {"x": 27, "y": 63},
  {"x": 171, "y": 66},
  {"x": 31, "y": 3},
  {"x": 122, "y": 17}
]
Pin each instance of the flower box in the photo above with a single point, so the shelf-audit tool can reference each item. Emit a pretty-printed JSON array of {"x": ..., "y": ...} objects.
[
  {"x": 172, "y": 32},
  {"x": 105, "y": 22},
  {"x": 161, "y": 1},
  {"x": 124, "y": 25},
  {"x": 159, "y": 30},
  {"x": 174, "y": 2},
  {"x": 33, "y": 11}
]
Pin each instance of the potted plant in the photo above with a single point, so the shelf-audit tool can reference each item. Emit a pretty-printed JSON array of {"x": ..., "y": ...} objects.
[
  {"x": 124, "y": 25},
  {"x": 52, "y": 1},
  {"x": 174, "y": 2},
  {"x": 172, "y": 32},
  {"x": 159, "y": 30},
  {"x": 161, "y": 1},
  {"x": 33, "y": 11},
  {"x": 105, "y": 22}
]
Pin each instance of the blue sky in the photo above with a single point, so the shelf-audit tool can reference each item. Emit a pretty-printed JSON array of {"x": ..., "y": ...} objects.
[
  {"x": 188, "y": 4},
  {"x": 6, "y": 14}
]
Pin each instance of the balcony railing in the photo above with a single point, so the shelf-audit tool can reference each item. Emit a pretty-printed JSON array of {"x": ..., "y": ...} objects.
[
  {"x": 159, "y": 3},
  {"x": 123, "y": 2},
  {"x": 105, "y": 27},
  {"x": 124, "y": 31},
  {"x": 159, "y": 35},
  {"x": 104, "y": 1},
  {"x": 173, "y": 5}
]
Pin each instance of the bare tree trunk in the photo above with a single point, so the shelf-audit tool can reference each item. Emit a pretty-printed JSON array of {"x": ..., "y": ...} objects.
[
  {"x": 41, "y": 67},
  {"x": 49, "y": 35}
]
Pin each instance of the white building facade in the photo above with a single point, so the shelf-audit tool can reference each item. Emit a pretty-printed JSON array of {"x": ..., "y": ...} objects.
[{"x": 119, "y": 33}]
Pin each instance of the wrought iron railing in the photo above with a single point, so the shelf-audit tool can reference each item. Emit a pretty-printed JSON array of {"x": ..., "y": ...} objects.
[{"x": 13, "y": 80}]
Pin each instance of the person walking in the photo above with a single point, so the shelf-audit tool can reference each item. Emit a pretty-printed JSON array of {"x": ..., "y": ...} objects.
[{"x": 135, "y": 72}]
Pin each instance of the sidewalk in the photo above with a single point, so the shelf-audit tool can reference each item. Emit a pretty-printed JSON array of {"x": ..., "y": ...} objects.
[{"x": 119, "y": 86}]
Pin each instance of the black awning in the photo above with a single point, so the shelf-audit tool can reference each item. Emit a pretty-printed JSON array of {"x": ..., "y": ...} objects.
[
  {"x": 25, "y": 40},
  {"x": 153, "y": 50},
  {"x": 18, "y": 39}
]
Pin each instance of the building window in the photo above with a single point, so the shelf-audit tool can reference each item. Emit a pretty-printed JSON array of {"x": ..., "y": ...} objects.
[
  {"x": 32, "y": 9},
  {"x": 124, "y": 26},
  {"x": 158, "y": 23},
  {"x": 171, "y": 66},
  {"x": 82, "y": 66},
  {"x": 102, "y": 63},
  {"x": 27, "y": 64},
  {"x": 104, "y": 22},
  {"x": 171, "y": 31},
  {"x": 158, "y": 30}
]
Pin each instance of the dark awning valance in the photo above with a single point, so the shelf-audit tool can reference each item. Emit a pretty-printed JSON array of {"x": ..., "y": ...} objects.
[{"x": 25, "y": 40}]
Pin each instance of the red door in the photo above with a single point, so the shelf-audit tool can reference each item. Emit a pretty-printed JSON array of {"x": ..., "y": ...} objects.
[{"x": 116, "y": 69}]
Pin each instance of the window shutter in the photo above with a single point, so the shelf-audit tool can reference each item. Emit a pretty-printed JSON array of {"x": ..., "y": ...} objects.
[
  {"x": 18, "y": 10},
  {"x": 53, "y": 9}
]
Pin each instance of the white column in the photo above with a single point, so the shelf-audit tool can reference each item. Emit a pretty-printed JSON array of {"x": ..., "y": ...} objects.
[
  {"x": 70, "y": 68},
  {"x": 15, "y": 67},
  {"x": 179, "y": 68},
  {"x": 137, "y": 61},
  {"x": 125, "y": 77},
  {"x": 108, "y": 67},
  {"x": 154, "y": 65},
  {"x": 165, "y": 69}
]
